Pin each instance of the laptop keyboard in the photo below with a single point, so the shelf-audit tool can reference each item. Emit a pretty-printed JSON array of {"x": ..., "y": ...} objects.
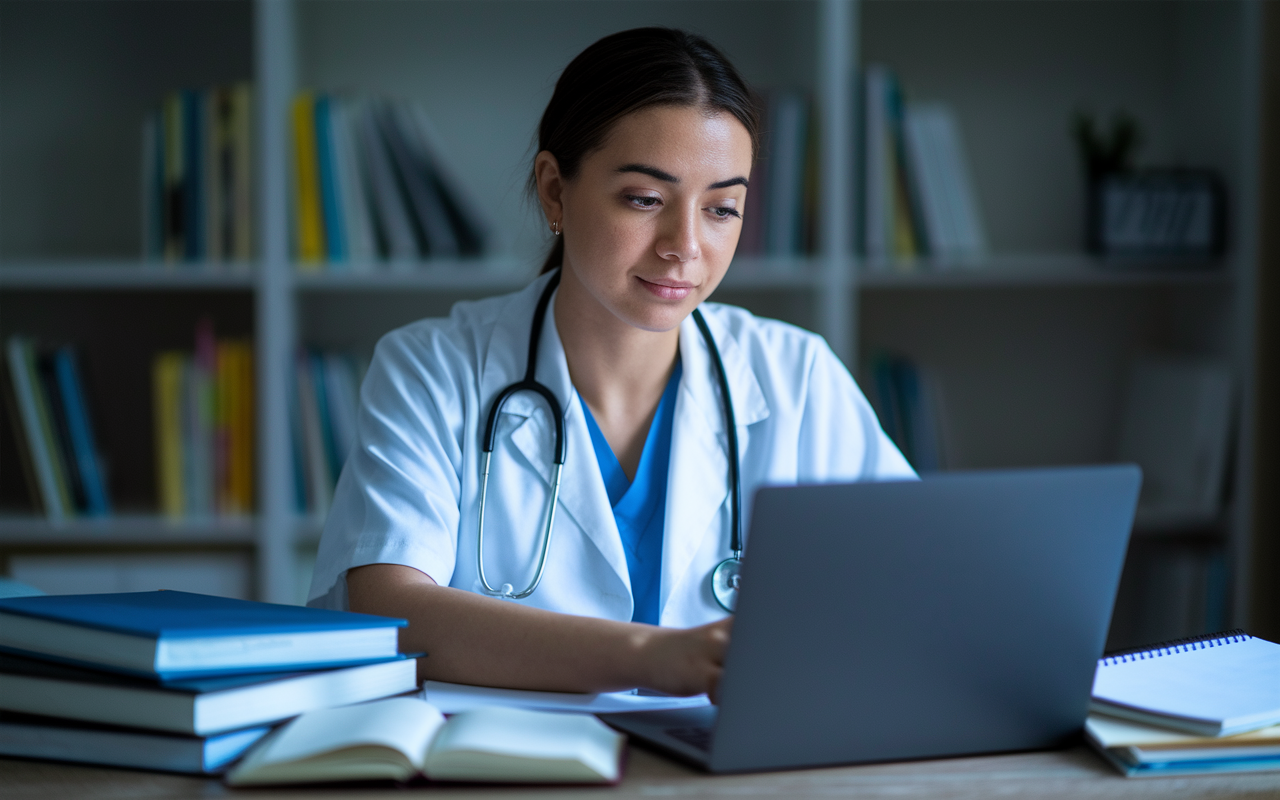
[{"x": 694, "y": 737}]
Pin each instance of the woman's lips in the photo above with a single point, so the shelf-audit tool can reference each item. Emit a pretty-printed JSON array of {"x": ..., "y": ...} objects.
[{"x": 668, "y": 290}]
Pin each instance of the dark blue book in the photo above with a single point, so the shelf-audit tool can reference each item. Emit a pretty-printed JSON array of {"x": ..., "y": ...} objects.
[
  {"x": 193, "y": 174},
  {"x": 83, "y": 448},
  {"x": 28, "y": 736},
  {"x": 173, "y": 635}
]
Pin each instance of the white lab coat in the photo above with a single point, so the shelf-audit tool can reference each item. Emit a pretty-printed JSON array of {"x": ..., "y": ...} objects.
[{"x": 409, "y": 491}]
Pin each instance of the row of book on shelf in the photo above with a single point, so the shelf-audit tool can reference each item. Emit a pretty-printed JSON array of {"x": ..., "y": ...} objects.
[
  {"x": 325, "y": 396},
  {"x": 260, "y": 693},
  {"x": 49, "y": 410},
  {"x": 197, "y": 176},
  {"x": 371, "y": 182},
  {"x": 203, "y": 416}
]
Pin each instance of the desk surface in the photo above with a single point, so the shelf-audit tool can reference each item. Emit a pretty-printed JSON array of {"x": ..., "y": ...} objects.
[{"x": 1074, "y": 773}]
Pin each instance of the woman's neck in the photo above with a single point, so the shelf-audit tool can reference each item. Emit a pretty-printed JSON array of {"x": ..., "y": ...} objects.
[{"x": 620, "y": 370}]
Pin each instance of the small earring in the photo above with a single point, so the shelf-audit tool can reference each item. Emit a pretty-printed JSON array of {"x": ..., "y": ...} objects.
[{"x": 555, "y": 227}]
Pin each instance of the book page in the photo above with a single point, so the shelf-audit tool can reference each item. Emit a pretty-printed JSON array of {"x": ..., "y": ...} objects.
[
  {"x": 454, "y": 698},
  {"x": 1113, "y": 732},
  {"x": 512, "y": 744},
  {"x": 344, "y": 742}
]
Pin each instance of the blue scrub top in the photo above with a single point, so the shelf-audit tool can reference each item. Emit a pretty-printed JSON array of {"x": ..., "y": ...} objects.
[{"x": 639, "y": 506}]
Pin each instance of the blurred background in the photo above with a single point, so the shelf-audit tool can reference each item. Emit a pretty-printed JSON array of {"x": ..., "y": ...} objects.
[{"x": 1038, "y": 233}]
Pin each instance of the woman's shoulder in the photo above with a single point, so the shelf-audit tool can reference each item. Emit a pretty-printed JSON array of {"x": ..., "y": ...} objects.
[{"x": 763, "y": 338}]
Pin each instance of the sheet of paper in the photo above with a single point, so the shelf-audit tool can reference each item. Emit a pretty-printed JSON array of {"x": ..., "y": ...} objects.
[{"x": 452, "y": 698}]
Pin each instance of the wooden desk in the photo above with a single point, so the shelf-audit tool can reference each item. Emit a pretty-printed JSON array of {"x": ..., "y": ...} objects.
[{"x": 1075, "y": 773}]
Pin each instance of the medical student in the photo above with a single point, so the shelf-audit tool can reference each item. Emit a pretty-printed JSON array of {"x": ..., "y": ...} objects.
[{"x": 644, "y": 153}]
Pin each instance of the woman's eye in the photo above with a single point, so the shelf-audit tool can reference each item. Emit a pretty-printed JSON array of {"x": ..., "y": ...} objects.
[
  {"x": 725, "y": 212},
  {"x": 643, "y": 201}
]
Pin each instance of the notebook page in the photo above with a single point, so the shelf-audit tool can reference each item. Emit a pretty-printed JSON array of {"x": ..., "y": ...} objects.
[{"x": 1236, "y": 682}]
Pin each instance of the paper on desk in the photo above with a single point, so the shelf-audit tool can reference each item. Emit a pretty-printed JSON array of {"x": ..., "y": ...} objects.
[{"x": 452, "y": 698}]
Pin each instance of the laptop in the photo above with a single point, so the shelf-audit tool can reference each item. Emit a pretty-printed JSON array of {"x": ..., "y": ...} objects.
[{"x": 958, "y": 614}]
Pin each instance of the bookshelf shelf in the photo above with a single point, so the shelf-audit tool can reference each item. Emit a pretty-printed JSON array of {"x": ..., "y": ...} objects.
[
  {"x": 1042, "y": 270},
  {"x": 126, "y": 530},
  {"x": 124, "y": 275}
]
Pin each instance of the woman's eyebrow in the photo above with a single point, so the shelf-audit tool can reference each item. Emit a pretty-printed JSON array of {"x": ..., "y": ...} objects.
[{"x": 654, "y": 172}]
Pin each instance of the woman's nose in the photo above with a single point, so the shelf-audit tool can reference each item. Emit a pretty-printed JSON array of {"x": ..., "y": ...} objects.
[{"x": 679, "y": 236}]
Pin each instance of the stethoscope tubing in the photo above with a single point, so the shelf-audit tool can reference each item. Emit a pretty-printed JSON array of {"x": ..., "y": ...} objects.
[{"x": 530, "y": 384}]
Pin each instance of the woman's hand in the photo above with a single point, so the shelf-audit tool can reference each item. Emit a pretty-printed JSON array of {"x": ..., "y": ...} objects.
[{"x": 686, "y": 661}]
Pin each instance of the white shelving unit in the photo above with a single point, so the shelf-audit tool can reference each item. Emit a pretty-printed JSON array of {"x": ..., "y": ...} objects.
[{"x": 1032, "y": 341}]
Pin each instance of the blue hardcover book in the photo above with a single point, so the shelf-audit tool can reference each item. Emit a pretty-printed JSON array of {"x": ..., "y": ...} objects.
[
  {"x": 29, "y": 736},
  {"x": 335, "y": 238},
  {"x": 80, "y": 432},
  {"x": 173, "y": 635}
]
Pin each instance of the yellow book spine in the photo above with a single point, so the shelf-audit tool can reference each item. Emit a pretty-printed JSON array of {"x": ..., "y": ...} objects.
[
  {"x": 224, "y": 412},
  {"x": 247, "y": 449},
  {"x": 307, "y": 169},
  {"x": 167, "y": 398}
]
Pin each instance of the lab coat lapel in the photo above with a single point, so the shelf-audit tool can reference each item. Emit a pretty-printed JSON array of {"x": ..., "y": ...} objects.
[
  {"x": 582, "y": 492},
  {"x": 698, "y": 480}
]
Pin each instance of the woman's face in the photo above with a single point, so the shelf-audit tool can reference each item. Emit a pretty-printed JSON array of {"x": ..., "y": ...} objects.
[{"x": 652, "y": 218}]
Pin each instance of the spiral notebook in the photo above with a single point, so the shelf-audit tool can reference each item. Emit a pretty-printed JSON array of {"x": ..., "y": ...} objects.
[{"x": 1214, "y": 685}]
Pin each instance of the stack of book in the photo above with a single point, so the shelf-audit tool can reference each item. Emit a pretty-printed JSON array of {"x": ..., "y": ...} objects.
[
  {"x": 918, "y": 199},
  {"x": 1207, "y": 704},
  {"x": 47, "y": 405},
  {"x": 778, "y": 221},
  {"x": 197, "y": 180},
  {"x": 371, "y": 185},
  {"x": 179, "y": 682},
  {"x": 323, "y": 419},
  {"x": 203, "y": 415}
]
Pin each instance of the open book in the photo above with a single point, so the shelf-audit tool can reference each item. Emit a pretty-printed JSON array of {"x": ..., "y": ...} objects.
[{"x": 402, "y": 737}]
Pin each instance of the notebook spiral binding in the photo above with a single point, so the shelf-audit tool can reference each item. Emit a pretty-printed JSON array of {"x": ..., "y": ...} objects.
[{"x": 1201, "y": 642}]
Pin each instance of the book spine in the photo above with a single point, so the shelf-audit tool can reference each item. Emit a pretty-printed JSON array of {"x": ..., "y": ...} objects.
[
  {"x": 29, "y": 410},
  {"x": 166, "y": 381},
  {"x": 193, "y": 179},
  {"x": 23, "y": 442},
  {"x": 80, "y": 432},
  {"x": 355, "y": 204},
  {"x": 393, "y": 224},
  {"x": 310, "y": 221},
  {"x": 175, "y": 216},
  {"x": 224, "y": 377},
  {"x": 64, "y": 456},
  {"x": 211, "y": 140},
  {"x": 319, "y": 480},
  {"x": 243, "y": 429},
  {"x": 335, "y": 235},
  {"x": 242, "y": 158}
]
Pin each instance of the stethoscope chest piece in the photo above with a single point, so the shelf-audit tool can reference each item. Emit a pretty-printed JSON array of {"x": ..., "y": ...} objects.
[{"x": 725, "y": 580}]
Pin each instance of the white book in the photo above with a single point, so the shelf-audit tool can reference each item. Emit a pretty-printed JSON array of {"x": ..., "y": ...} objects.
[
  {"x": 400, "y": 738},
  {"x": 962, "y": 198},
  {"x": 1211, "y": 686},
  {"x": 362, "y": 251},
  {"x": 926, "y": 169}
]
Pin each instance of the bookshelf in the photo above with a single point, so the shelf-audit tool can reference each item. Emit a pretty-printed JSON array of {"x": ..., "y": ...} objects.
[{"x": 1032, "y": 341}]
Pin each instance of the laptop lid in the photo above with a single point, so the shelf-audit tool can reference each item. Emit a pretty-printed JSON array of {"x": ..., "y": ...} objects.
[{"x": 963, "y": 613}]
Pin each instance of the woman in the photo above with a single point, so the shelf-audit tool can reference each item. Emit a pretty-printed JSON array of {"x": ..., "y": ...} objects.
[{"x": 643, "y": 157}]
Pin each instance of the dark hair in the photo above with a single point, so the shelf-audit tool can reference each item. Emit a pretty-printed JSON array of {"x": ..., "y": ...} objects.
[{"x": 629, "y": 71}]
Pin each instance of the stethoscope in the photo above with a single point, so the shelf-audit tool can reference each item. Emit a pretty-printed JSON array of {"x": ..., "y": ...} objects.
[{"x": 725, "y": 578}]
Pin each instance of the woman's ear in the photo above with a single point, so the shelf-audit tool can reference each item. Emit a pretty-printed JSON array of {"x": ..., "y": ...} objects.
[{"x": 546, "y": 172}]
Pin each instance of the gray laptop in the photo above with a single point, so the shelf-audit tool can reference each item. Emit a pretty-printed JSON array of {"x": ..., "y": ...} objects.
[{"x": 958, "y": 614}]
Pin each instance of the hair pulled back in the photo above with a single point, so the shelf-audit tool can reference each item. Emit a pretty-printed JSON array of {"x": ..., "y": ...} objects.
[{"x": 629, "y": 71}]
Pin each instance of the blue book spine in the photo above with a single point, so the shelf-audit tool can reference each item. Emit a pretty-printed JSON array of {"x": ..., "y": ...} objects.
[
  {"x": 326, "y": 415},
  {"x": 83, "y": 447},
  {"x": 335, "y": 236},
  {"x": 192, "y": 175}
]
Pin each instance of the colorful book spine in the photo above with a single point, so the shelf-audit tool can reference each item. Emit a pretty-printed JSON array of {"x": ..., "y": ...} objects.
[
  {"x": 335, "y": 235},
  {"x": 310, "y": 221},
  {"x": 80, "y": 431},
  {"x": 167, "y": 384},
  {"x": 35, "y": 425}
]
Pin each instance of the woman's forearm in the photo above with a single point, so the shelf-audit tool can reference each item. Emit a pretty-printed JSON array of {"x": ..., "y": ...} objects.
[{"x": 480, "y": 640}]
